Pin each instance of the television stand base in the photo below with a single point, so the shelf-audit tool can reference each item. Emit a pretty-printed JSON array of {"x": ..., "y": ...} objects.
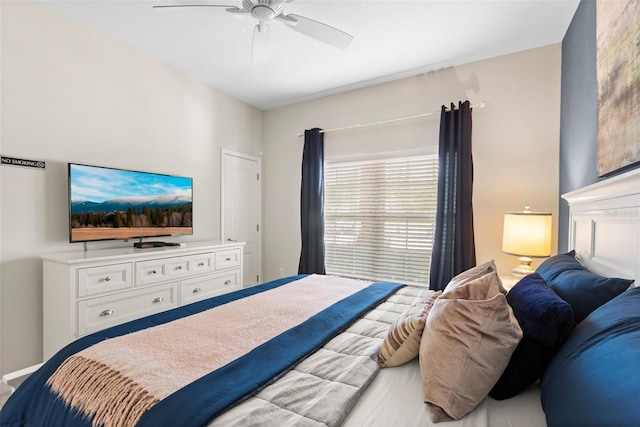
[{"x": 154, "y": 244}]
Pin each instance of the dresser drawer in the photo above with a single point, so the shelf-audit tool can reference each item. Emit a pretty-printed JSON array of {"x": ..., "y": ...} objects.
[
  {"x": 104, "y": 278},
  {"x": 98, "y": 313},
  {"x": 158, "y": 270},
  {"x": 199, "y": 288},
  {"x": 200, "y": 263},
  {"x": 228, "y": 259}
]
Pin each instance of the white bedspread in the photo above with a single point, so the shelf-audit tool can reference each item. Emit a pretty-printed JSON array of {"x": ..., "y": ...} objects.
[{"x": 394, "y": 398}]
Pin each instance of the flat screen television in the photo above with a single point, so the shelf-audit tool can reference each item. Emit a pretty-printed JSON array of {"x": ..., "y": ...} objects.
[{"x": 108, "y": 204}]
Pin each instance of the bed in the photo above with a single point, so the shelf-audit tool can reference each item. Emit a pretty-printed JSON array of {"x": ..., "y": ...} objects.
[{"x": 372, "y": 354}]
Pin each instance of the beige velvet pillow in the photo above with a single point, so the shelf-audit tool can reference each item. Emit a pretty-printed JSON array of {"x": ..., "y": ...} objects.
[
  {"x": 402, "y": 343},
  {"x": 474, "y": 273},
  {"x": 468, "y": 340}
]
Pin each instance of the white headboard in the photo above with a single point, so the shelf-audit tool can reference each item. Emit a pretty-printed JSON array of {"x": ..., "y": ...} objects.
[{"x": 604, "y": 226}]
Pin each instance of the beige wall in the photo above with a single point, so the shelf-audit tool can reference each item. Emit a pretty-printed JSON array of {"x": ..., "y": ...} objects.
[
  {"x": 515, "y": 143},
  {"x": 71, "y": 95}
]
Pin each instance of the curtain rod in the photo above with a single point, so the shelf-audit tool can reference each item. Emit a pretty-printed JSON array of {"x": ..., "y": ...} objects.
[{"x": 397, "y": 119}]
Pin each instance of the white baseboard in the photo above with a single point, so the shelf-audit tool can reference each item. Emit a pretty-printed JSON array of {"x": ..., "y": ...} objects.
[{"x": 12, "y": 380}]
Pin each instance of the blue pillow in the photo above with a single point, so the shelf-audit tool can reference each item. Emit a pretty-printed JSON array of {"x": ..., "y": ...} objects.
[
  {"x": 546, "y": 321},
  {"x": 581, "y": 288},
  {"x": 594, "y": 379}
]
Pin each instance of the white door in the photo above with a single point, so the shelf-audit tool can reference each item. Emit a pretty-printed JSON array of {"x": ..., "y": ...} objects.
[{"x": 241, "y": 208}]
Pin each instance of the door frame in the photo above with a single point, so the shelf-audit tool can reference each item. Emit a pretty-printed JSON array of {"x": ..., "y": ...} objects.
[{"x": 224, "y": 152}]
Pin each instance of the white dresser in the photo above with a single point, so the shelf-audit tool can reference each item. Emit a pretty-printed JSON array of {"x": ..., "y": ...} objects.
[{"x": 84, "y": 292}]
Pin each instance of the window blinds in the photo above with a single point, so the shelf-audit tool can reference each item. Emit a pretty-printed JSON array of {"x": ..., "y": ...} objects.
[{"x": 380, "y": 218}]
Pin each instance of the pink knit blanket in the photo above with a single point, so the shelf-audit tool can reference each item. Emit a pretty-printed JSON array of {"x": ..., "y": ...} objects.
[{"x": 117, "y": 380}]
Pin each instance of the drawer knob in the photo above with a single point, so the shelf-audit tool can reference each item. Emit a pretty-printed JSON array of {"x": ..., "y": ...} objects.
[
  {"x": 179, "y": 267},
  {"x": 196, "y": 290},
  {"x": 106, "y": 313},
  {"x": 158, "y": 299},
  {"x": 227, "y": 282},
  {"x": 107, "y": 279},
  {"x": 152, "y": 272},
  {"x": 227, "y": 259},
  {"x": 201, "y": 264}
]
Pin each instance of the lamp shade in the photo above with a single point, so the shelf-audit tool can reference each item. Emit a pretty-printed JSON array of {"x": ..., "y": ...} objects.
[{"x": 527, "y": 233}]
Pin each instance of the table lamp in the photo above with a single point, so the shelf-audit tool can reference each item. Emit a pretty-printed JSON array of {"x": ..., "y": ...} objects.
[{"x": 526, "y": 234}]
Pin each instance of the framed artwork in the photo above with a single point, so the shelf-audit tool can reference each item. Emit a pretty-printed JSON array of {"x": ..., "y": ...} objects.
[{"x": 618, "y": 78}]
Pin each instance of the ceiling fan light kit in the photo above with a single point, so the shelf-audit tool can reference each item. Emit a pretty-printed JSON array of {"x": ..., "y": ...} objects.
[{"x": 266, "y": 11}]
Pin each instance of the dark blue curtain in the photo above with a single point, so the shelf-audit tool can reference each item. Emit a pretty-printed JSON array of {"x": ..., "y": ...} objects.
[
  {"x": 312, "y": 204},
  {"x": 454, "y": 243}
]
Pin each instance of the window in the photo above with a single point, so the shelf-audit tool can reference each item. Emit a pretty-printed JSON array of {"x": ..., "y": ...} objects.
[{"x": 380, "y": 218}]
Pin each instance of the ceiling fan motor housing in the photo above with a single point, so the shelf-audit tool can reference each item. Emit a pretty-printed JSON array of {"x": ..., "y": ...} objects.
[{"x": 264, "y": 10}]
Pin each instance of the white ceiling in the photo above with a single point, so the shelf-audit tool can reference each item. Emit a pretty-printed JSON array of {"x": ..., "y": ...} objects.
[{"x": 392, "y": 40}]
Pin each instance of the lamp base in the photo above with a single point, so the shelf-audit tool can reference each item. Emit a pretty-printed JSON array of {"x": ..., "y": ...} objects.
[{"x": 524, "y": 268}]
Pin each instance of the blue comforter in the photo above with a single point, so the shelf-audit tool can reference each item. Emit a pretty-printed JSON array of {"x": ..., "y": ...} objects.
[{"x": 202, "y": 400}]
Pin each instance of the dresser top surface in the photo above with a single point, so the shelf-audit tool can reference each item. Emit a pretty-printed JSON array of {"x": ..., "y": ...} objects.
[{"x": 77, "y": 257}]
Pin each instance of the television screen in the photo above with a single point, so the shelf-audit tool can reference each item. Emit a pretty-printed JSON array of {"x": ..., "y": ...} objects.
[{"x": 107, "y": 203}]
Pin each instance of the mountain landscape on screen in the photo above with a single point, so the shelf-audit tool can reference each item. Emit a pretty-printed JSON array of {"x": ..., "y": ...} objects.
[
  {"x": 122, "y": 204},
  {"x": 107, "y": 203}
]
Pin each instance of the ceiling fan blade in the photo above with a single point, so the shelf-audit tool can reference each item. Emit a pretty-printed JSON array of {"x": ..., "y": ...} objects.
[
  {"x": 317, "y": 30},
  {"x": 261, "y": 46},
  {"x": 238, "y": 10},
  {"x": 189, "y": 8}
]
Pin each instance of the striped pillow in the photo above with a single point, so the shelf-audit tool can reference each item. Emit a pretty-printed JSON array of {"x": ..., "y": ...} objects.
[{"x": 402, "y": 343}]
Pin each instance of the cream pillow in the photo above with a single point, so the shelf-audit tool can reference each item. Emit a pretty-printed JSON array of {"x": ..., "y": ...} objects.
[
  {"x": 468, "y": 340},
  {"x": 474, "y": 273},
  {"x": 402, "y": 343}
]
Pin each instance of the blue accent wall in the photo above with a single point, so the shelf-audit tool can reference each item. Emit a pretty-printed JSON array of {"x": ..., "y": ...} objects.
[{"x": 579, "y": 111}]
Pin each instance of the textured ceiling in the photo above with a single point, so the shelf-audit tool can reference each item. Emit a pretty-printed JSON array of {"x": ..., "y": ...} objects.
[{"x": 392, "y": 40}]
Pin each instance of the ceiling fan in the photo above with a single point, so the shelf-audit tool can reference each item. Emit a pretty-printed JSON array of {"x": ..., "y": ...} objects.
[{"x": 267, "y": 11}]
